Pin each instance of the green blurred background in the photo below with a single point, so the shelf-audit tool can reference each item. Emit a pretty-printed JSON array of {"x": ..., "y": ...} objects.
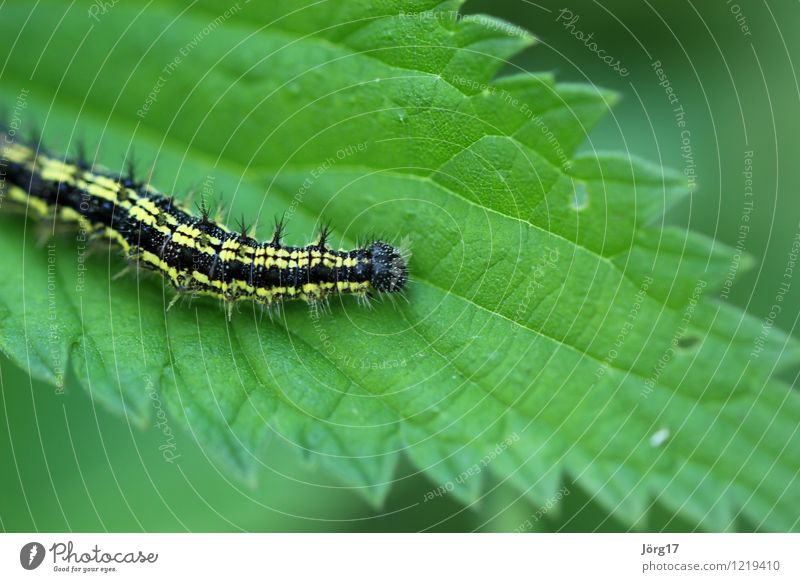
[{"x": 70, "y": 465}]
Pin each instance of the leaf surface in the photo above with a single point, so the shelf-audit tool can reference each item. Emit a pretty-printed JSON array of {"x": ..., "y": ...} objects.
[{"x": 552, "y": 327}]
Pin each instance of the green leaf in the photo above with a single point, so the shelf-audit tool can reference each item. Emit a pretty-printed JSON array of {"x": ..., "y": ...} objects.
[{"x": 552, "y": 329}]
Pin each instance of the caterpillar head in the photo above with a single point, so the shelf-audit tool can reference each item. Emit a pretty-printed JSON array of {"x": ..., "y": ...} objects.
[{"x": 389, "y": 268}]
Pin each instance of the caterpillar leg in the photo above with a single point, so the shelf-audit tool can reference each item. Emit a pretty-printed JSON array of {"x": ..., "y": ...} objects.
[
  {"x": 175, "y": 298},
  {"x": 122, "y": 272}
]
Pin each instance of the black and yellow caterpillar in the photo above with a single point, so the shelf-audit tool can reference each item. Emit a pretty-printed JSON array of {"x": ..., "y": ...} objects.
[{"x": 197, "y": 254}]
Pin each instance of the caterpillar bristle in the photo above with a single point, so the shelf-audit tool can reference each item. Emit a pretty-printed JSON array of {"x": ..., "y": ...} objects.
[
  {"x": 217, "y": 207},
  {"x": 279, "y": 231},
  {"x": 203, "y": 209},
  {"x": 131, "y": 180},
  {"x": 36, "y": 139},
  {"x": 243, "y": 228},
  {"x": 324, "y": 235},
  {"x": 81, "y": 158}
]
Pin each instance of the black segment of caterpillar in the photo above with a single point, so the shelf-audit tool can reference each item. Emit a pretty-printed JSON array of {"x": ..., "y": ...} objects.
[{"x": 196, "y": 254}]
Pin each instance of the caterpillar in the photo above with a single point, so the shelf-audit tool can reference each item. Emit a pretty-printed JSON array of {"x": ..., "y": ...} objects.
[{"x": 196, "y": 254}]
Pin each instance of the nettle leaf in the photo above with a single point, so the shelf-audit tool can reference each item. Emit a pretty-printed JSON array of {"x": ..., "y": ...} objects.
[{"x": 553, "y": 330}]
